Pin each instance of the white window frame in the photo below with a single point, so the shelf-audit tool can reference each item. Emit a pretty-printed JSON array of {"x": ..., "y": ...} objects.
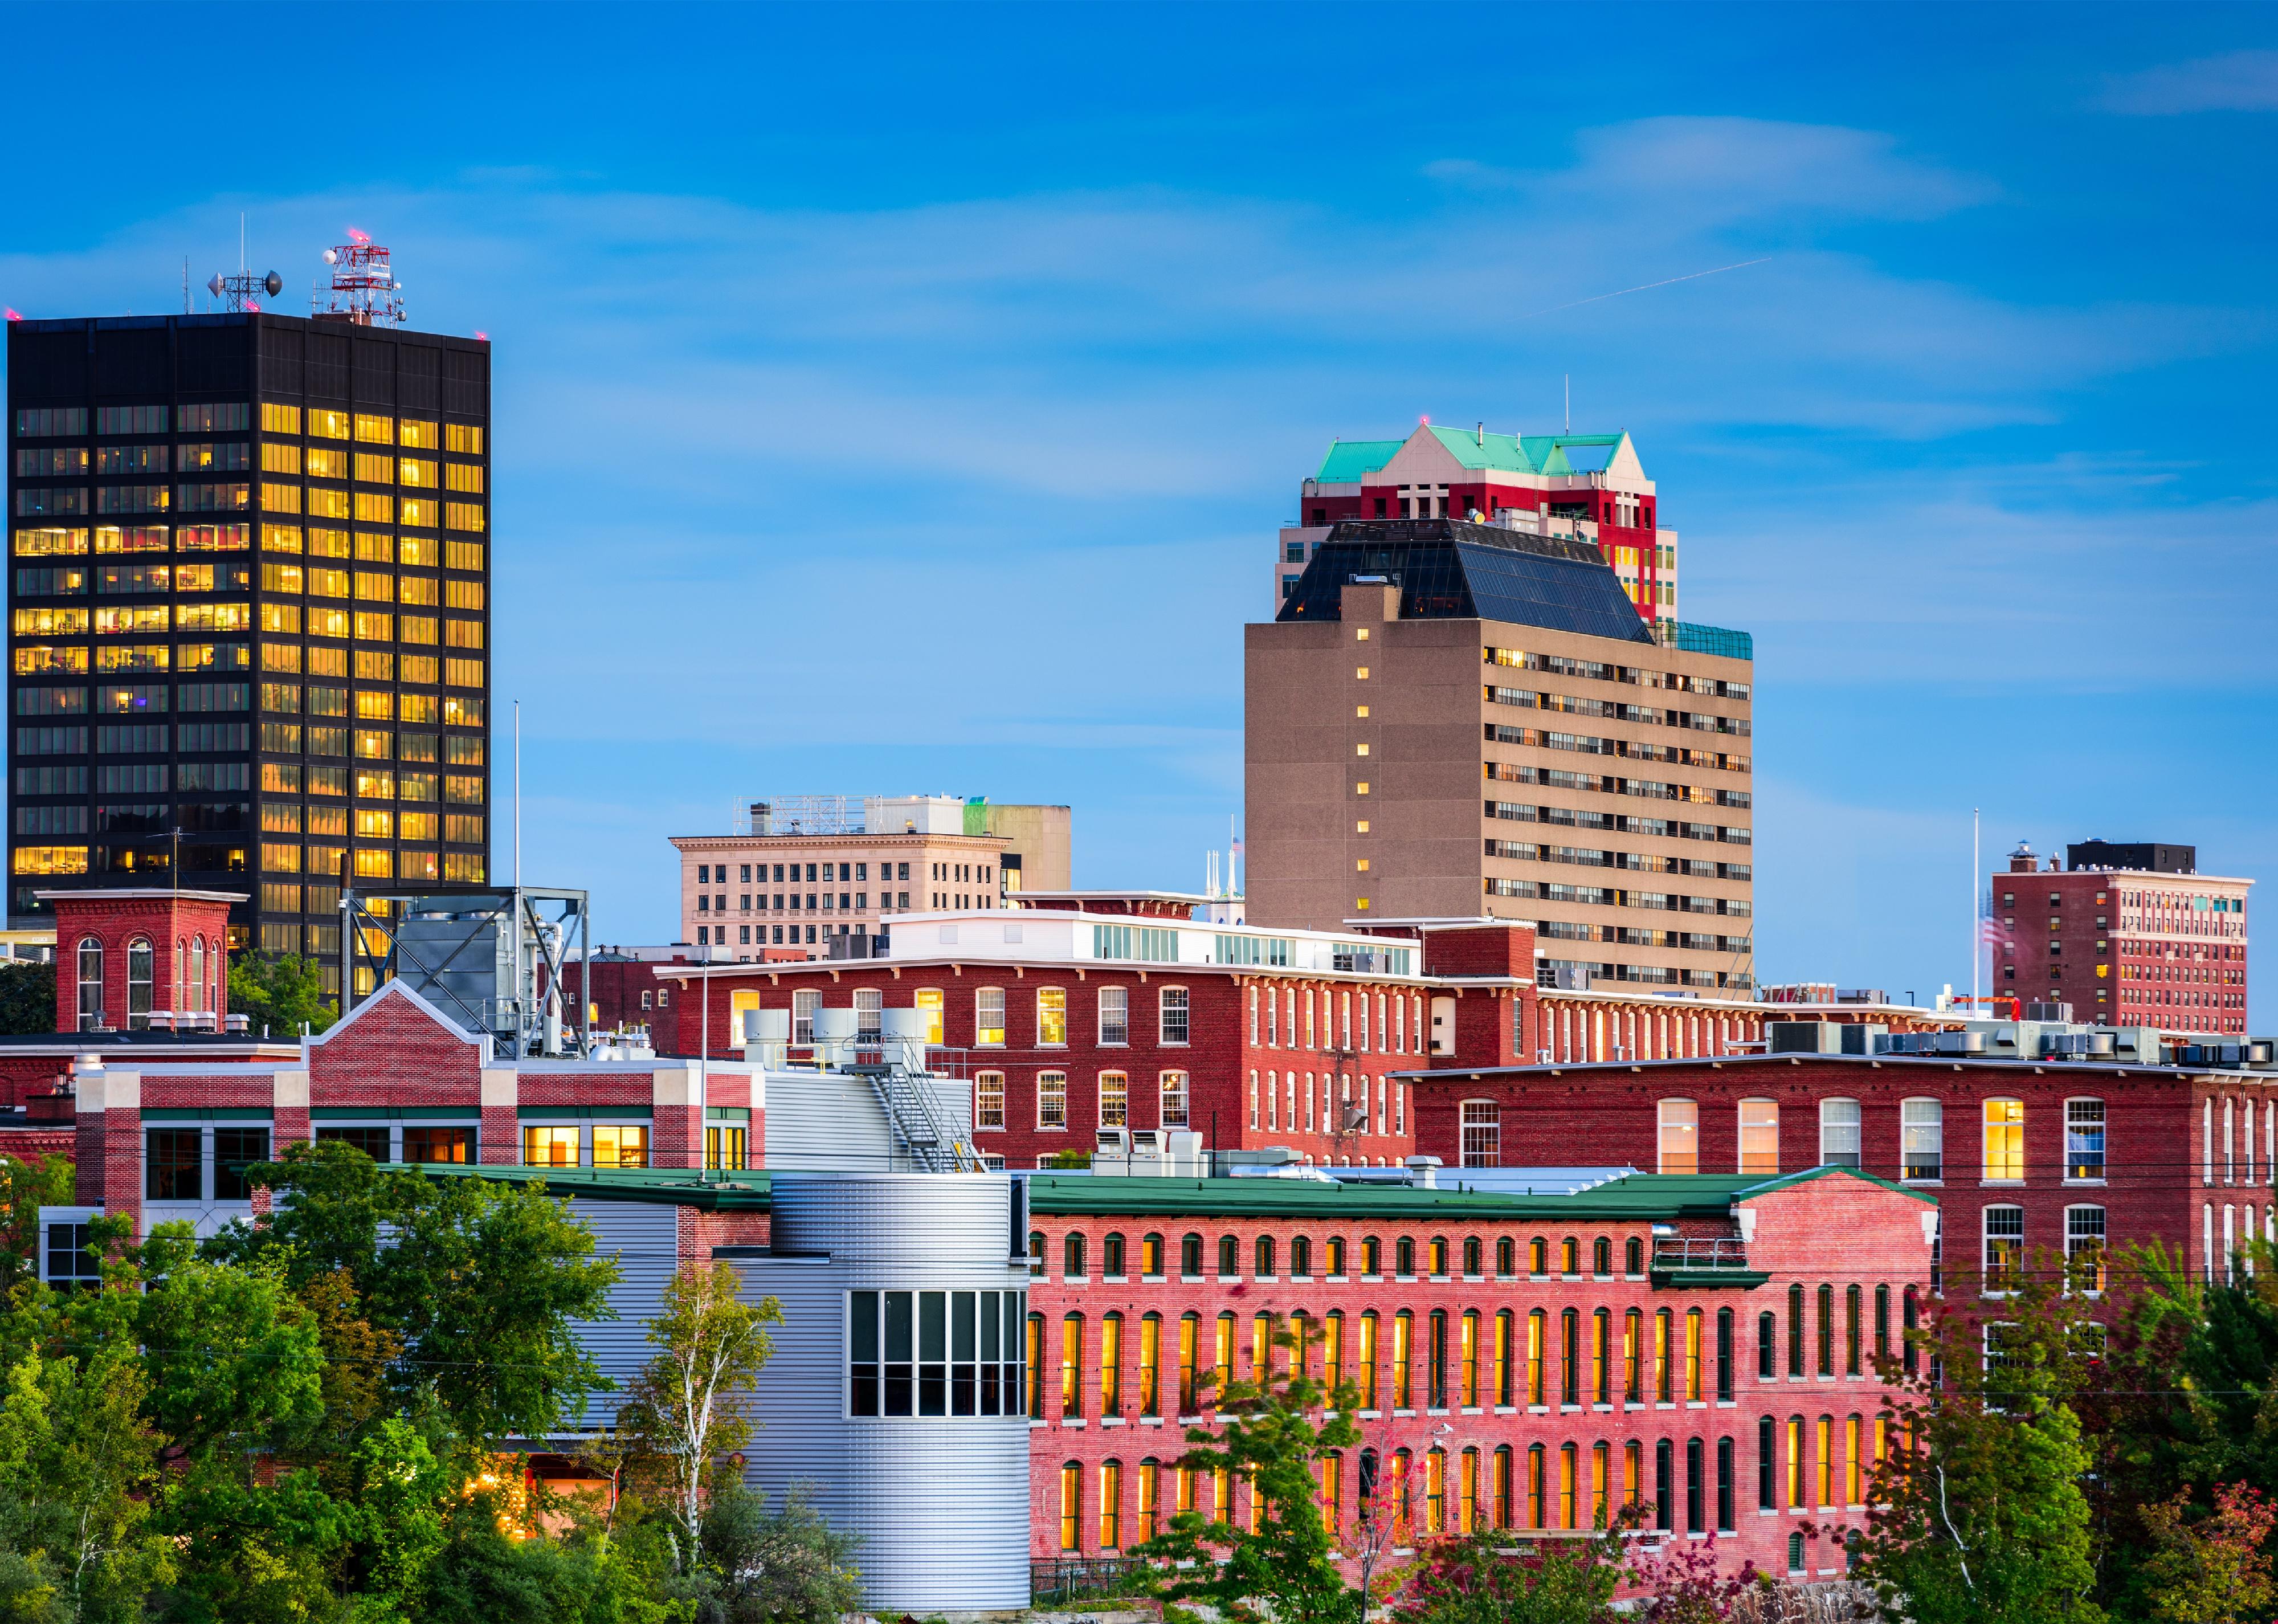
[
  {"x": 1174, "y": 1099},
  {"x": 804, "y": 1002},
  {"x": 1744, "y": 1128},
  {"x": 1121, "y": 1118},
  {"x": 981, "y": 1091},
  {"x": 1985, "y": 1140},
  {"x": 2103, "y": 1236},
  {"x": 981, "y": 1005},
  {"x": 1481, "y": 1124},
  {"x": 1907, "y": 1127},
  {"x": 870, "y": 1014},
  {"x": 1985, "y": 1245},
  {"x": 2104, "y": 1140},
  {"x": 1163, "y": 1017},
  {"x": 1118, "y": 999},
  {"x": 1047, "y": 1095},
  {"x": 1829, "y": 1110},
  {"x": 1044, "y": 1042},
  {"x": 1662, "y": 1124}
]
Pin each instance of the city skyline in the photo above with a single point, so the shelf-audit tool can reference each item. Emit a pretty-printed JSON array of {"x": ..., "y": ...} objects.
[{"x": 1022, "y": 401}]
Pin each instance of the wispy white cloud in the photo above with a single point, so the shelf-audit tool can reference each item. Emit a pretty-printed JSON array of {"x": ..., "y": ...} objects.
[{"x": 2236, "y": 81}]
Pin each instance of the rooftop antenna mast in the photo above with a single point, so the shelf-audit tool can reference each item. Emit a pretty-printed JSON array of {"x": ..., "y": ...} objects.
[
  {"x": 364, "y": 291},
  {"x": 240, "y": 293}
]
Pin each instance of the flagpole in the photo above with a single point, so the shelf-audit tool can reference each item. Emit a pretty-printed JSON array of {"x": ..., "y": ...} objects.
[{"x": 1977, "y": 929}]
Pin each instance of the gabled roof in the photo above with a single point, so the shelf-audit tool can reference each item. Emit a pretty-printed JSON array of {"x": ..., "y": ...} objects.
[
  {"x": 1347, "y": 460},
  {"x": 1544, "y": 455},
  {"x": 398, "y": 988}
]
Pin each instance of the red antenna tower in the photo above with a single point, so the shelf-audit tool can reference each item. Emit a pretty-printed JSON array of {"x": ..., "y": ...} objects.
[{"x": 363, "y": 290}]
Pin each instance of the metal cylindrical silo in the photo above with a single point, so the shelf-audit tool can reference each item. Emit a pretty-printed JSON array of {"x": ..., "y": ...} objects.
[{"x": 941, "y": 1501}]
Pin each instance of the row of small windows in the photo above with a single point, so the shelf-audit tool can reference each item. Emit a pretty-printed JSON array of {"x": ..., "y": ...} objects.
[
  {"x": 235, "y": 417},
  {"x": 1922, "y": 1154},
  {"x": 1471, "y": 1359},
  {"x": 1542, "y": 1255},
  {"x": 1829, "y": 1463}
]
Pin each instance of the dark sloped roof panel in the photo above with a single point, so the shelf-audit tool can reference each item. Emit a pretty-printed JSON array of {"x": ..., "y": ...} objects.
[{"x": 1448, "y": 569}]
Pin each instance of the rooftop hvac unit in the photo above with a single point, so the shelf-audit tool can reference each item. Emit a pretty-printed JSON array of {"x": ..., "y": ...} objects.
[
  {"x": 2059, "y": 1014},
  {"x": 834, "y": 1032},
  {"x": 1804, "y": 1037},
  {"x": 1960, "y": 1043}
]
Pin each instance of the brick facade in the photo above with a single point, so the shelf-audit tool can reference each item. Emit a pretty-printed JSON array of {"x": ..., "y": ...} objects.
[
  {"x": 187, "y": 933},
  {"x": 2185, "y": 1156},
  {"x": 1821, "y": 1237}
]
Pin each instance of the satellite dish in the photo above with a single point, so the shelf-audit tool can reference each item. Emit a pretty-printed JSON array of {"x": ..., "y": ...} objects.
[
  {"x": 274, "y": 283},
  {"x": 213, "y": 286},
  {"x": 332, "y": 256}
]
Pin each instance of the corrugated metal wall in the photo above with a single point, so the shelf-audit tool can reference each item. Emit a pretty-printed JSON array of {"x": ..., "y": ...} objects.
[
  {"x": 645, "y": 1238},
  {"x": 941, "y": 1503}
]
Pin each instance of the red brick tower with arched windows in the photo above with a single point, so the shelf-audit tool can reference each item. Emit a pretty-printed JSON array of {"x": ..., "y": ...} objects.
[{"x": 133, "y": 958}]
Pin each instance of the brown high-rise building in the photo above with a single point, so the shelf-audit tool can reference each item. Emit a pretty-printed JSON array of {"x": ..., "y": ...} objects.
[
  {"x": 250, "y": 613},
  {"x": 1451, "y": 720}
]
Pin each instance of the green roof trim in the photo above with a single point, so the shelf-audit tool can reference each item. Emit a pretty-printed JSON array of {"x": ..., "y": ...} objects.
[
  {"x": 1642, "y": 1196},
  {"x": 719, "y": 1192},
  {"x": 1766, "y": 1186}
]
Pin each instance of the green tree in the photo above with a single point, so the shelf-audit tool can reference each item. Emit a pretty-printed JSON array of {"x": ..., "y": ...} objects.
[
  {"x": 692, "y": 1404},
  {"x": 1983, "y": 1519},
  {"x": 27, "y": 996},
  {"x": 25, "y": 1188},
  {"x": 2214, "y": 1570},
  {"x": 1270, "y": 1440},
  {"x": 77, "y": 1463},
  {"x": 774, "y": 1564},
  {"x": 1487, "y": 1579},
  {"x": 479, "y": 1284},
  {"x": 280, "y": 994}
]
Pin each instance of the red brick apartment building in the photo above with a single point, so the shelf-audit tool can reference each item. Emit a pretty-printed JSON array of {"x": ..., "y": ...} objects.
[
  {"x": 2053, "y": 1154},
  {"x": 2135, "y": 936},
  {"x": 1702, "y": 1346},
  {"x": 1065, "y": 1021}
]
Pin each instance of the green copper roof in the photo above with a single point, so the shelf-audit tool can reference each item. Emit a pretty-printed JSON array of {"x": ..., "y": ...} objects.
[
  {"x": 1348, "y": 459},
  {"x": 1529, "y": 454}
]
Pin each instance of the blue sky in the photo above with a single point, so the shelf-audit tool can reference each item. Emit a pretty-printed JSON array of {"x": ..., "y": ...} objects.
[{"x": 904, "y": 400}]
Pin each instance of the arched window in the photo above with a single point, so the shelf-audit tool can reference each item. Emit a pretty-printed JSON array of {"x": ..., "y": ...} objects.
[
  {"x": 181, "y": 957},
  {"x": 1110, "y": 1364},
  {"x": 1767, "y": 1346},
  {"x": 1569, "y": 1256},
  {"x": 1072, "y": 1256},
  {"x": 1334, "y": 1262},
  {"x": 1601, "y": 1256},
  {"x": 1301, "y": 1258},
  {"x": 1110, "y": 1255},
  {"x": 1229, "y": 1257},
  {"x": 1633, "y": 1255},
  {"x": 1538, "y": 1256},
  {"x": 1150, "y": 1255},
  {"x": 1474, "y": 1255},
  {"x": 1036, "y": 1254},
  {"x": 1150, "y": 1484},
  {"x": 1264, "y": 1255},
  {"x": 1071, "y": 1505},
  {"x": 90, "y": 984},
  {"x": 1372, "y": 1256},
  {"x": 1436, "y": 1253},
  {"x": 1404, "y": 1255},
  {"x": 1072, "y": 1364},
  {"x": 1506, "y": 1256},
  {"x": 141, "y": 978},
  {"x": 1190, "y": 1256}
]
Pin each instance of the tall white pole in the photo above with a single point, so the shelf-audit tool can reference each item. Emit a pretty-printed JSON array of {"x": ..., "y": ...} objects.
[
  {"x": 1976, "y": 926},
  {"x": 518, "y": 794}
]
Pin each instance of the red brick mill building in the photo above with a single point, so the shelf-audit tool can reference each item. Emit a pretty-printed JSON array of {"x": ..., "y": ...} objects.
[
  {"x": 2055, "y": 1151},
  {"x": 1064, "y": 1022},
  {"x": 1702, "y": 1347}
]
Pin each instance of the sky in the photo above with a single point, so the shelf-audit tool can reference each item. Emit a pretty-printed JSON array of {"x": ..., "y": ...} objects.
[{"x": 894, "y": 401}]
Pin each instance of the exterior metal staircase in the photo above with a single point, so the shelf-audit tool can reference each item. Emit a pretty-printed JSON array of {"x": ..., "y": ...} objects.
[{"x": 921, "y": 1127}]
